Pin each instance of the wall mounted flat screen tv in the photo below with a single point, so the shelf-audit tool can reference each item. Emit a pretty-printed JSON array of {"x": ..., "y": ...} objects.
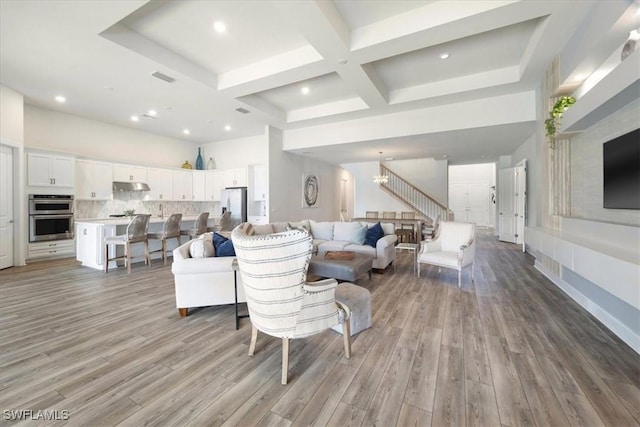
[{"x": 622, "y": 171}]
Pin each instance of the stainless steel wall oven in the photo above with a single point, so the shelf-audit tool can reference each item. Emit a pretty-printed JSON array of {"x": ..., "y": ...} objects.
[{"x": 50, "y": 217}]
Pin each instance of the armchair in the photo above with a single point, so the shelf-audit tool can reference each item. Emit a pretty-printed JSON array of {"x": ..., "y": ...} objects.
[
  {"x": 281, "y": 303},
  {"x": 453, "y": 247}
]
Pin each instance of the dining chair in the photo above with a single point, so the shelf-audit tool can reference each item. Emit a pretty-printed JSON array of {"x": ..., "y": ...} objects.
[
  {"x": 199, "y": 226},
  {"x": 281, "y": 302},
  {"x": 136, "y": 233},
  {"x": 409, "y": 229},
  {"x": 372, "y": 214},
  {"x": 170, "y": 230},
  {"x": 389, "y": 215}
]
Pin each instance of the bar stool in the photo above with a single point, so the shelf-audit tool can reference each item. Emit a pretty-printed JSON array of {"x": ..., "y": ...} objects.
[
  {"x": 225, "y": 221},
  {"x": 199, "y": 226},
  {"x": 136, "y": 233},
  {"x": 372, "y": 214},
  {"x": 170, "y": 230}
]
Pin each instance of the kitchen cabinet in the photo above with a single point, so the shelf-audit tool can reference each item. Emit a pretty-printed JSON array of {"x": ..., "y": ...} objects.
[
  {"x": 213, "y": 185},
  {"x": 89, "y": 246},
  {"x": 47, "y": 170},
  {"x": 53, "y": 249},
  {"x": 182, "y": 185},
  {"x": 235, "y": 177},
  {"x": 94, "y": 180},
  {"x": 259, "y": 182},
  {"x": 129, "y": 173},
  {"x": 160, "y": 184},
  {"x": 199, "y": 185}
]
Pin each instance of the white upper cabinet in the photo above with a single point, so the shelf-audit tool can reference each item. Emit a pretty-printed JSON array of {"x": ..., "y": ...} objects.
[
  {"x": 235, "y": 177},
  {"x": 129, "y": 173},
  {"x": 47, "y": 170},
  {"x": 160, "y": 183},
  {"x": 214, "y": 184},
  {"x": 182, "y": 185},
  {"x": 94, "y": 180},
  {"x": 199, "y": 186}
]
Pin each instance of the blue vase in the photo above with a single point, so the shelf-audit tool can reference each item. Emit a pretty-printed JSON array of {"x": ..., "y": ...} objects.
[{"x": 199, "y": 161}]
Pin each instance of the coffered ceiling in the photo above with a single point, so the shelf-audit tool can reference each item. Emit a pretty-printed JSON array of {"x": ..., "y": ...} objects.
[{"x": 356, "y": 59}]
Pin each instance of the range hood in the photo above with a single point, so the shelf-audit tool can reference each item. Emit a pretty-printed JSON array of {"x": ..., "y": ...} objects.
[{"x": 130, "y": 186}]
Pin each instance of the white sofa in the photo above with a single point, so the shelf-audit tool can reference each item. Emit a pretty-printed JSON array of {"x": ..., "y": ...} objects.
[{"x": 206, "y": 281}]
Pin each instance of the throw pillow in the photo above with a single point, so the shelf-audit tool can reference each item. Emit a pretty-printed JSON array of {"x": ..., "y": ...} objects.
[
  {"x": 373, "y": 235},
  {"x": 322, "y": 230},
  {"x": 388, "y": 228},
  {"x": 223, "y": 246},
  {"x": 300, "y": 224},
  {"x": 359, "y": 235},
  {"x": 343, "y": 231},
  {"x": 247, "y": 228},
  {"x": 201, "y": 248},
  {"x": 262, "y": 229}
]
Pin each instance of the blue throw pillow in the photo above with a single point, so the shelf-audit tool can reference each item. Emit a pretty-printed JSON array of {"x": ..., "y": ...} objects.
[
  {"x": 371, "y": 238},
  {"x": 223, "y": 246}
]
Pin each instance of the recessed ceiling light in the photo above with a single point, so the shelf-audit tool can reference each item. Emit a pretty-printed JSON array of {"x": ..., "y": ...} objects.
[
  {"x": 227, "y": 128},
  {"x": 388, "y": 158},
  {"x": 220, "y": 27},
  {"x": 305, "y": 90},
  {"x": 61, "y": 99},
  {"x": 444, "y": 55},
  {"x": 135, "y": 118},
  {"x": 152, "y": 113},
  {"x": 444, "y": 156},
  {"x": 186, "y": 131}
]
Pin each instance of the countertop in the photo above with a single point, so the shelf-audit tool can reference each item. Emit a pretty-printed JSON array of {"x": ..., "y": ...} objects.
[{"x": 155, "y": 219}]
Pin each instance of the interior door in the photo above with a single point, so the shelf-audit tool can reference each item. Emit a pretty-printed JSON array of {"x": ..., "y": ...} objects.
[
  {"x": 6, "y": 207},
  {"x": 458, "y": 201},
  {"x": 521, "y": 201},
  {"x": 507, "y": 217},
  {"x": 478, "y": 203}
]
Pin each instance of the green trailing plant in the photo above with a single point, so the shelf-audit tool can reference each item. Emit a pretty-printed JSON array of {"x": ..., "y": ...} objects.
[{"x": 553, "y": 122}]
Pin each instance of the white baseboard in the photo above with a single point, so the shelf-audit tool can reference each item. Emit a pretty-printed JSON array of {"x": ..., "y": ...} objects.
[{"x": 622, "y": 331}]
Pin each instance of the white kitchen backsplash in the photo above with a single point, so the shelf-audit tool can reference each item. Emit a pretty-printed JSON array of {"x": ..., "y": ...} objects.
[{"x": 88, "y": 209}]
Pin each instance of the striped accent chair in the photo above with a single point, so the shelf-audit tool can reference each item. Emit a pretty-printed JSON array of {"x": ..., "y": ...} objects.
[
  {"x": 281, "y": 303},
  {"x": 453, "y": 247}
]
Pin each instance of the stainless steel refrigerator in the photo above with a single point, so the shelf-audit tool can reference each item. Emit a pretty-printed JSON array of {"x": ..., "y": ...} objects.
[{"x": 234, "y": 199}]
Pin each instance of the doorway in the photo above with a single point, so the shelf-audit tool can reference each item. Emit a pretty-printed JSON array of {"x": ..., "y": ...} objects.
[
  {"x": 512, "y": 203},
  {"x": 6, "y": 207},
  {"x": 470, "y": 193}
]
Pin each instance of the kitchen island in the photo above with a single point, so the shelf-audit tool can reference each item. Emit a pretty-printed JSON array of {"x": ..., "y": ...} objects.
[{"x": 90, "y": 234}]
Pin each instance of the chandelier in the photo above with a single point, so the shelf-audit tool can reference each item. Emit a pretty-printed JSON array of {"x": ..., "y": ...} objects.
[{"x": 380, "y": 179}]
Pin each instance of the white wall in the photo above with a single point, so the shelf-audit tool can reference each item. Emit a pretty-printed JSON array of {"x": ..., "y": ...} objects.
[
  {"x": 11, "y": 117},
  {"x": 285, "y": 184},
  {"x": 55, "y": 131},
  {"x": 586, "y": 167},
  {"x": 236, "y": 153}
]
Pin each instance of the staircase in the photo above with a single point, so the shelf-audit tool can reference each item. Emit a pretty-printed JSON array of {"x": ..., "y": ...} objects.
[{"x": 413, "y": 197}]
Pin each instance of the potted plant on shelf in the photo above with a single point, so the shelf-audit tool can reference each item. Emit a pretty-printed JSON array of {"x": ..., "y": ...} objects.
[{"x": 553, "y": 122}]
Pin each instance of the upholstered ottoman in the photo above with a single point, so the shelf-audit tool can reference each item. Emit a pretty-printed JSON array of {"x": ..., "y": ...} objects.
[{"x": 358, "y": 299}]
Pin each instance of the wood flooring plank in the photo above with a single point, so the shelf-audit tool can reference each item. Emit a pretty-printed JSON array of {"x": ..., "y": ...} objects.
[
  {"x": 476, "y": 361},
  {"x": 579, "y": 410},
  {"x": 481, "y": 406},
  {"x": 449, "y": 406},
  {"x": 273, "y": 420},
  {"x": 513, "y": 406},
  {"x": 629, "y": 395},
  {"x": 421, "y": 388},
  {"x": 452, "y": 329},
  {"x": 387, "y": 401},
  {"x": 410, "y": 416},
  {"x": 347, "y": 416}
]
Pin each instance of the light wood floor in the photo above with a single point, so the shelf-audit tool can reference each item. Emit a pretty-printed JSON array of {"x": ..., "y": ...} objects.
[{"x": 509, "y": 350}]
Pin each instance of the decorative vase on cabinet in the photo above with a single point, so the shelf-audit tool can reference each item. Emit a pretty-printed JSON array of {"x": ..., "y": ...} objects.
[
  {"x": 211, "y": 164},
  {"x": 199, "y": 161},
  {"x": 186, "y": 165}
]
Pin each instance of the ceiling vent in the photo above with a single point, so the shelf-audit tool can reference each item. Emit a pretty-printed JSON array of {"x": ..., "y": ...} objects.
[
  {"x": 242, "y": 110},
  {"x": 147, "y": 116},
  {"x": 159, "y": 75}
]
